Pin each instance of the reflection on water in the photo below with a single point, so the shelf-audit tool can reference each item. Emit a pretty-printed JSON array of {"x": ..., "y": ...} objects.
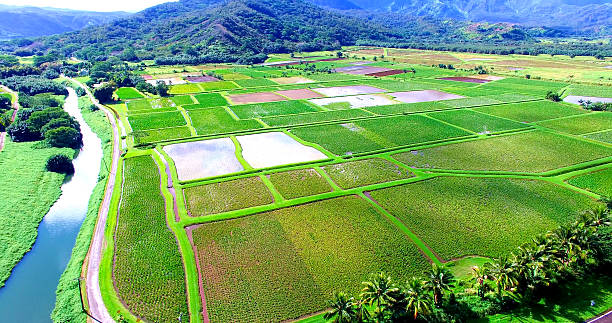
[{"x": 29, "y": 293}]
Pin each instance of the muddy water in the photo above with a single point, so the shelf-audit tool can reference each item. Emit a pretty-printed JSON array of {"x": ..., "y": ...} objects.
[{"x": 29, "y": 293}]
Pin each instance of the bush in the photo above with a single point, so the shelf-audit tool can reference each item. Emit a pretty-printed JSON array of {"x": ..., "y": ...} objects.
[
  {"x": 60, "y": 164},
  {"x": 64, "y": 137},
  {"x": 80, "y": 91},
  {"x": 105, "y": 92},
  {"x": 5, "y": 103},
  {"x": 60, "y": 122},
  {"x": 19, "y": 131},
  {"x": 555, "y": 97}
]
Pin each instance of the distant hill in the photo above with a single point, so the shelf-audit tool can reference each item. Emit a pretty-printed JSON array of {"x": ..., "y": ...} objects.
[
  {"x": 19, "y": 22},
  {"x": 244, "y": 31},
  {"x": 577, "y": 14}
]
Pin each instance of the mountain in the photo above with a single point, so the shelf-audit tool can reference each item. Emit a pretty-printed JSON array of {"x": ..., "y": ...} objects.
[
  {"x": 19, "y": 22},
  {"x": 203, "y": 27},
  {"x": 244, "y": 31},
  {"x": 576, "y": 14}
]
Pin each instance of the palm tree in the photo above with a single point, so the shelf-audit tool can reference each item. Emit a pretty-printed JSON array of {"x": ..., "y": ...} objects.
[
  {"x": 480, "y": 277},
  {"x": 439, "y": 279},
  {"x": 417, "y": 299},
  {"x": 380, "y": 290},
  {"x": 342, "y": 309},
  {"x": 362, "y": 314},
  {"x": 502, "y": 273},
  {"x": 597, "y": 216}
]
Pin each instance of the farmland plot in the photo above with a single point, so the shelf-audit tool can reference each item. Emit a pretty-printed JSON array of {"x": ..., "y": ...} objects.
[
  {"x": 157, "y": 120},
  {"x": 459, "y": 216},
  {"x": 365, "y": 172},
  {"x": 299, "y": 183},
  {"x": 148, "y": 269},
  {"x": 288, "y": 262},
  {"x": 532, "y": 152},
  {"x": 226, "y": 196}
]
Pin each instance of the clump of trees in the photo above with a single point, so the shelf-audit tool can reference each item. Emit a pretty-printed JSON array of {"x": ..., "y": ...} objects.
[
  {"x": 595, "y": 106},
  {"x": 526, "y": 276},
  {"x": 60, "y": 163},
  {"x": 553, "y": 96},
  {"x": 53, "y": 124},
  {"x": 32, "y": 85}
]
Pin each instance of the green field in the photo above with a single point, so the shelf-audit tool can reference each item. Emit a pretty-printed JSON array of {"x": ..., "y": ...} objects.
[
  {"x": 578, "y": 125},
  {"x": 288, "y": 262},
  {"x": 250, "y": 111},
  {"x": 299, "y": 183},
  {"x": 532, "y": 111},
  {"x": 531, "y": 152},
  {"x": 148, "y": 270},
  {"x": 604, "y": 136},
  {"x": 225, "y": 196},
  {"x": 157, "y": 120},
  {"x": 211, "y": 100},
  {"x": 599, "y": 182},
  {"x": 218, "y": 120},
  {"x": 477, "y": 122},
  {"x": 150, "y": 136},
  {"x": 365, "y": 172},
  {"x": 216, "y": 86},
  {"x": 306, "y": 118},
  {"x": 458, "y": 216},
  {"x": 184, "y": 88},
  {"x": 128, "y": 93}
]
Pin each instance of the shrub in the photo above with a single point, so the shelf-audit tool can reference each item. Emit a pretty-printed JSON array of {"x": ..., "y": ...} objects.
[
  {"x": 59, "y": 122},
  {"x": 105, "y": 92},
  {"x": 64, "y": 137},
  {"x": 5, "y": 103},
  {"x": 555, "y": 97},
  {"x": 80, "y": 91},
  {"x": 60, "y": 163},
  {"x": 19, "y": 131}
]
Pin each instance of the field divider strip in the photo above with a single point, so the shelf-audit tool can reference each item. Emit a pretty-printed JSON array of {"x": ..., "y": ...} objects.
[
  {"x": 329, "y": 180},
  {"x": 238, "y": 153},
  {"x": 186, "y": 250},
  {"x": 278, "y": 197},
  {"x": 450, "y": 124},
  {"x": 427, "y": 252},
  {"x": 187, "y": 118},
  {"x": 302, "y": 200}
]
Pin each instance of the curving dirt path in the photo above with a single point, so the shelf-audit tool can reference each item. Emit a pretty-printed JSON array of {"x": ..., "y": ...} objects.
[
  {"x": 97, "y": 308},
  {"x": 15, "y": 109}
]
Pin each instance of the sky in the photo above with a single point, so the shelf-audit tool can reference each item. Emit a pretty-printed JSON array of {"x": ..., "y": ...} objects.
[{"x": 99, "y": 5}]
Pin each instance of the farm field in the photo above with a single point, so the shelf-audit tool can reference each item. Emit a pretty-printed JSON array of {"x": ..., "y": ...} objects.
[
  {"x": 289, "y": 183},
  {"x": 297, "y": 257}
]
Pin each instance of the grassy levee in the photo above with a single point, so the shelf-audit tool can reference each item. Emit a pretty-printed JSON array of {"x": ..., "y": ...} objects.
[
  {"x": 186, "y": 251},
  {"x": 24, "y": 181},
  {"x": 68, "y": 299}
]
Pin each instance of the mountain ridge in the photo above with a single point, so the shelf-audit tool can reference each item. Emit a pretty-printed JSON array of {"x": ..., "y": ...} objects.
[{"x": 26, "y": 21}]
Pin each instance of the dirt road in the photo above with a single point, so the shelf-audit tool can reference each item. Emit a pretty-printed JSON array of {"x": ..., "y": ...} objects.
[{"x": 94, "y": 295}]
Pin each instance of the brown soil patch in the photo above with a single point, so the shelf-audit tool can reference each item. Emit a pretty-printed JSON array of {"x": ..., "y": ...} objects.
[
  {"x": 147, "y": 77},
  {"x": 464, "y": 79},
  {"x": 300, "y": 94},
  {"x": 256, "y": 98},
  {"x": 386, "y": 73}
]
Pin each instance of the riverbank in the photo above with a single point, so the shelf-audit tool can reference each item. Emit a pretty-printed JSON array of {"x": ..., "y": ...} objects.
[
  {"x": 28, "y": 191},
  {"x": 68, "y": 299}
]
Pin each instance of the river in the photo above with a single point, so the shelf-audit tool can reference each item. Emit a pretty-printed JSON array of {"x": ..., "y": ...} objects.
[{"x": 29, "y": 293}]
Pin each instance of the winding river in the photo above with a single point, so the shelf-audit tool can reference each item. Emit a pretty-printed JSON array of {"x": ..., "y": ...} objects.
[{"x": 29, "y": 293}]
